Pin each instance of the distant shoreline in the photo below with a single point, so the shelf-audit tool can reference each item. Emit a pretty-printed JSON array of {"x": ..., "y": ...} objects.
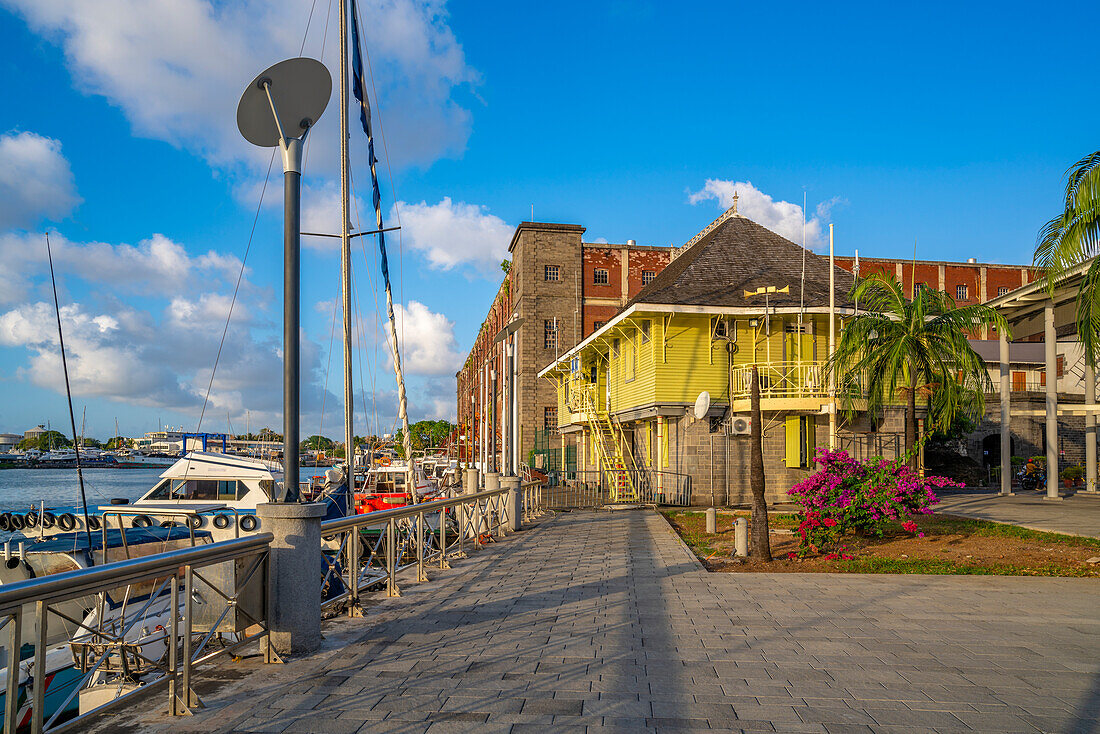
[{"x": 72, "y": 465}]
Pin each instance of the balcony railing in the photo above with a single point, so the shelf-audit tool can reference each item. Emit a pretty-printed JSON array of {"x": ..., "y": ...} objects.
[{"x": 781, "y": 380}]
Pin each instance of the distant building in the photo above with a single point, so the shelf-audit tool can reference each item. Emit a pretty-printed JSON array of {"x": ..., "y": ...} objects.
[
  {"x": 172, "y": 442},
  {"x": 35, "y": 432},
  {"x": 8, "y": 441}
]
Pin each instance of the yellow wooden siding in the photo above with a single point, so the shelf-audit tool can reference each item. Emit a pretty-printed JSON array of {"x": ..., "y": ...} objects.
[
  {"x": 633, "y": 373},
  {"x": 688, "y": 368},
  {"x": 681, "y": 360}
]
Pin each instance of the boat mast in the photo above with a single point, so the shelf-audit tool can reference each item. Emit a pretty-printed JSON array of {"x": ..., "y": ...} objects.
[{"x": 345, "y": 250}]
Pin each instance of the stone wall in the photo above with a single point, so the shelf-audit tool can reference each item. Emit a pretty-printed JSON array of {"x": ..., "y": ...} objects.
[
  {"x": 1028, "y": 432},
  {"x": 537, "y": 300}
]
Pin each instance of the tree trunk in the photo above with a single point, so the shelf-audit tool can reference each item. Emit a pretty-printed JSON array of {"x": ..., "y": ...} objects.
[
  {"x": 761, "y": 542},
  {"x": 911, "y": 428}
]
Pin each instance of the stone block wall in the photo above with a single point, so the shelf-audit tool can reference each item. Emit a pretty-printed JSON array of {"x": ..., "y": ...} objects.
[{"x": 534, "y": 246}]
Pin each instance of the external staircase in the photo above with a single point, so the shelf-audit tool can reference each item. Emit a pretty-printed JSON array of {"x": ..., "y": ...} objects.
[{"x": 616, "y": 466}]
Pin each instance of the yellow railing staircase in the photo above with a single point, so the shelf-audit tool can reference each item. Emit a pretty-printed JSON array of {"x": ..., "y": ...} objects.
[{"x": 608, "y": 440}]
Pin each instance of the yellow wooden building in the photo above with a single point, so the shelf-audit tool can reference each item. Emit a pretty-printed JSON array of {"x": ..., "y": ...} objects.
[{"x": 738, "y": 295}]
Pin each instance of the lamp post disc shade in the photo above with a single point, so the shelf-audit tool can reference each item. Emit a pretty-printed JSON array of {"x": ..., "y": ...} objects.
[{"x": 300, "y": 88}]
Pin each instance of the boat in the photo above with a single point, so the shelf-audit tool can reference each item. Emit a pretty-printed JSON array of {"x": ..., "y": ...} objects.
[{"x": 130, "y": 612}]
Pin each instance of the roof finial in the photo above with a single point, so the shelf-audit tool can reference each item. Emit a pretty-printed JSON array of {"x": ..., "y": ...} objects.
[{"x": 733, "y": 209}]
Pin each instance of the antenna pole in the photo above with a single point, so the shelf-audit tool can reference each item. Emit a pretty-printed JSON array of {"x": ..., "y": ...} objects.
[
  {"x": 345, "y": 251},
  {"x": 832, "y": 343},
  {"x": 69, "y": 396}
]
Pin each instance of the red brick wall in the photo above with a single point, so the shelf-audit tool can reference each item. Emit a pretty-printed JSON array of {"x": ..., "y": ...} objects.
[
  {"x": 593, "y": 313},
  {"x": 640, "y": 261},
  {"x": 609, "y": 260},
  {"x": 955, "y": 274}
]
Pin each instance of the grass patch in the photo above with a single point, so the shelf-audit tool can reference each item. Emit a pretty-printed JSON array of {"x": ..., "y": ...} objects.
[{"x": 951, "y": 545}]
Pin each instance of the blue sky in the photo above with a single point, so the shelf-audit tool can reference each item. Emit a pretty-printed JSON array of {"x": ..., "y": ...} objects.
[{"x": 950, "y": 124}]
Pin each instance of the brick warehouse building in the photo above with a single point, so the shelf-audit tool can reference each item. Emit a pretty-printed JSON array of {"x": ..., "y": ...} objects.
[{"x": 563, "y": 289}]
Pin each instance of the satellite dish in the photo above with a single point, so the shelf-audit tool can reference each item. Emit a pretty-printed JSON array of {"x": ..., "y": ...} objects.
[
  {"x": 702, "y": 405},
  {"x": 300, "y": 89}
]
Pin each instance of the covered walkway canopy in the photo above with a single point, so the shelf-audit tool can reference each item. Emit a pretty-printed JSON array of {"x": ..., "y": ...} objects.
[{"x": 1037, "y": 309}]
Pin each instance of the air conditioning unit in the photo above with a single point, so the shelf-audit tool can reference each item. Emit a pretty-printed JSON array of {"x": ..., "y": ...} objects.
[{"x": 740, "y": 425}]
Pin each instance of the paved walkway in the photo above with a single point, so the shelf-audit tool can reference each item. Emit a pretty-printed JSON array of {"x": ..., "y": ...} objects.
[
  {"x": 606, "y": 623},
  {"x": 1077, "y": 514}
]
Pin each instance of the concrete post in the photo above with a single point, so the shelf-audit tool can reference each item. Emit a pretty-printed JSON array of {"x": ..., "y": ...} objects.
[
  {"x": 1050, "y": 338},
  {"x": 1090, "y": 429},
  {"x": 492, "y": 480},
  {"x": 712, "y": 521},
  {"x": 741, "y": 537},
  {"x": 293, "y": 601},
  {"x": 467, "y": 517},
  {"x": 1006, "y": 418},
  {"x": 513, "y": 503}
]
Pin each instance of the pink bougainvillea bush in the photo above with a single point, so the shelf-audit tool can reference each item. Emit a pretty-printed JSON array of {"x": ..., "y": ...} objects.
[{"x": 847, "y": 495}]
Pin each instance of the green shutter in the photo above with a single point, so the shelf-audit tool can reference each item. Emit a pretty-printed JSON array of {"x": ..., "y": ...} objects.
[{"x": 792, "y": 425}]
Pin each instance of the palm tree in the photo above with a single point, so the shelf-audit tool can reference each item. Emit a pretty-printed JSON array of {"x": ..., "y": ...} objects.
[
  {"x": 1072, "y": 238},
  {"x": 761, "y": 539},
  {"x": 905, "y": 348}
]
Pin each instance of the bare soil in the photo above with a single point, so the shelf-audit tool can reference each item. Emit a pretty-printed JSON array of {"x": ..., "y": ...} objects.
[{"x": 951, "y": 545}]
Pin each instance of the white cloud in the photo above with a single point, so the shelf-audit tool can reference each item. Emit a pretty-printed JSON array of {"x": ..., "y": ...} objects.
[
  {"x": 455, "y": 233},
  {"x": 159, "y": 360},
  {"x": 155, "y": 266},
  {"x": 35, "y": 180},
  {"x": 782, "y": 217},
  {"x": 428, "y": 344},
  {"x": 104, "y": 359},
  {"x": 321, "y": 213},
  {"x": 176, "y": 68}
]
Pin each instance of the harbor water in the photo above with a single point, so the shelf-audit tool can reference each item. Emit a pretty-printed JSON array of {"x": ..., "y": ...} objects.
[{"x": 24, "y": 489}]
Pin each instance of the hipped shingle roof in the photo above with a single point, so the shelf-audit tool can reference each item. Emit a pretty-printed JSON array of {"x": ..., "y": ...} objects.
[{"x": 740, "y": 255}]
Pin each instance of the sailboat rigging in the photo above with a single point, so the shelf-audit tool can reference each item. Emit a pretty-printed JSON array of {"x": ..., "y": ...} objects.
[{"x": 360, "y": 91}]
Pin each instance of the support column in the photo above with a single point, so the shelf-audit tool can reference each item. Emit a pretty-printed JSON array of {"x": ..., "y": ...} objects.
[
  {"x": 1090, "y": 429},
  {"x": 1050, "y": 345},
  {"x": 294, "y": 612},
  {"x": 1006, "y": 417},
  {"x": 513, "y": 502}
]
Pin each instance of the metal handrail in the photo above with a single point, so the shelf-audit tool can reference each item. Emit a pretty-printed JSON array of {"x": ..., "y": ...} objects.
[
  {"x": 176, "y": 571},
  {"x": 404, "y": 530},
  {"x": 84, "y": 581},
  {"x": 380, "y": 517}
]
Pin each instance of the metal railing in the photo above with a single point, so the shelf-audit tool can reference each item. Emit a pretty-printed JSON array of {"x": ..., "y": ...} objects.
[
  {"x": 594, "y": 488},
  {"x": 128, "y": 626},
  {"x": 864, "y": 446},
  {"x": 782, "y": 380},
  {"x": 370, "y": 550}
]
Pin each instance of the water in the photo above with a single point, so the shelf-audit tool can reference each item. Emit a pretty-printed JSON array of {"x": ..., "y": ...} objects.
[{"x": 22, "y": 489}]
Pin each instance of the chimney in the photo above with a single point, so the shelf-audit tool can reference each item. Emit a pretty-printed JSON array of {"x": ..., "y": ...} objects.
[
  {"x": 631, "y": 243},
  {"x": 972, "y": 260}
]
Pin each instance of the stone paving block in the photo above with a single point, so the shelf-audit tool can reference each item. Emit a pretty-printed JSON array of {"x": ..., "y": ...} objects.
[
  {"x": 553, "y": 706},
  {"x": 324, "y": 725}
]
